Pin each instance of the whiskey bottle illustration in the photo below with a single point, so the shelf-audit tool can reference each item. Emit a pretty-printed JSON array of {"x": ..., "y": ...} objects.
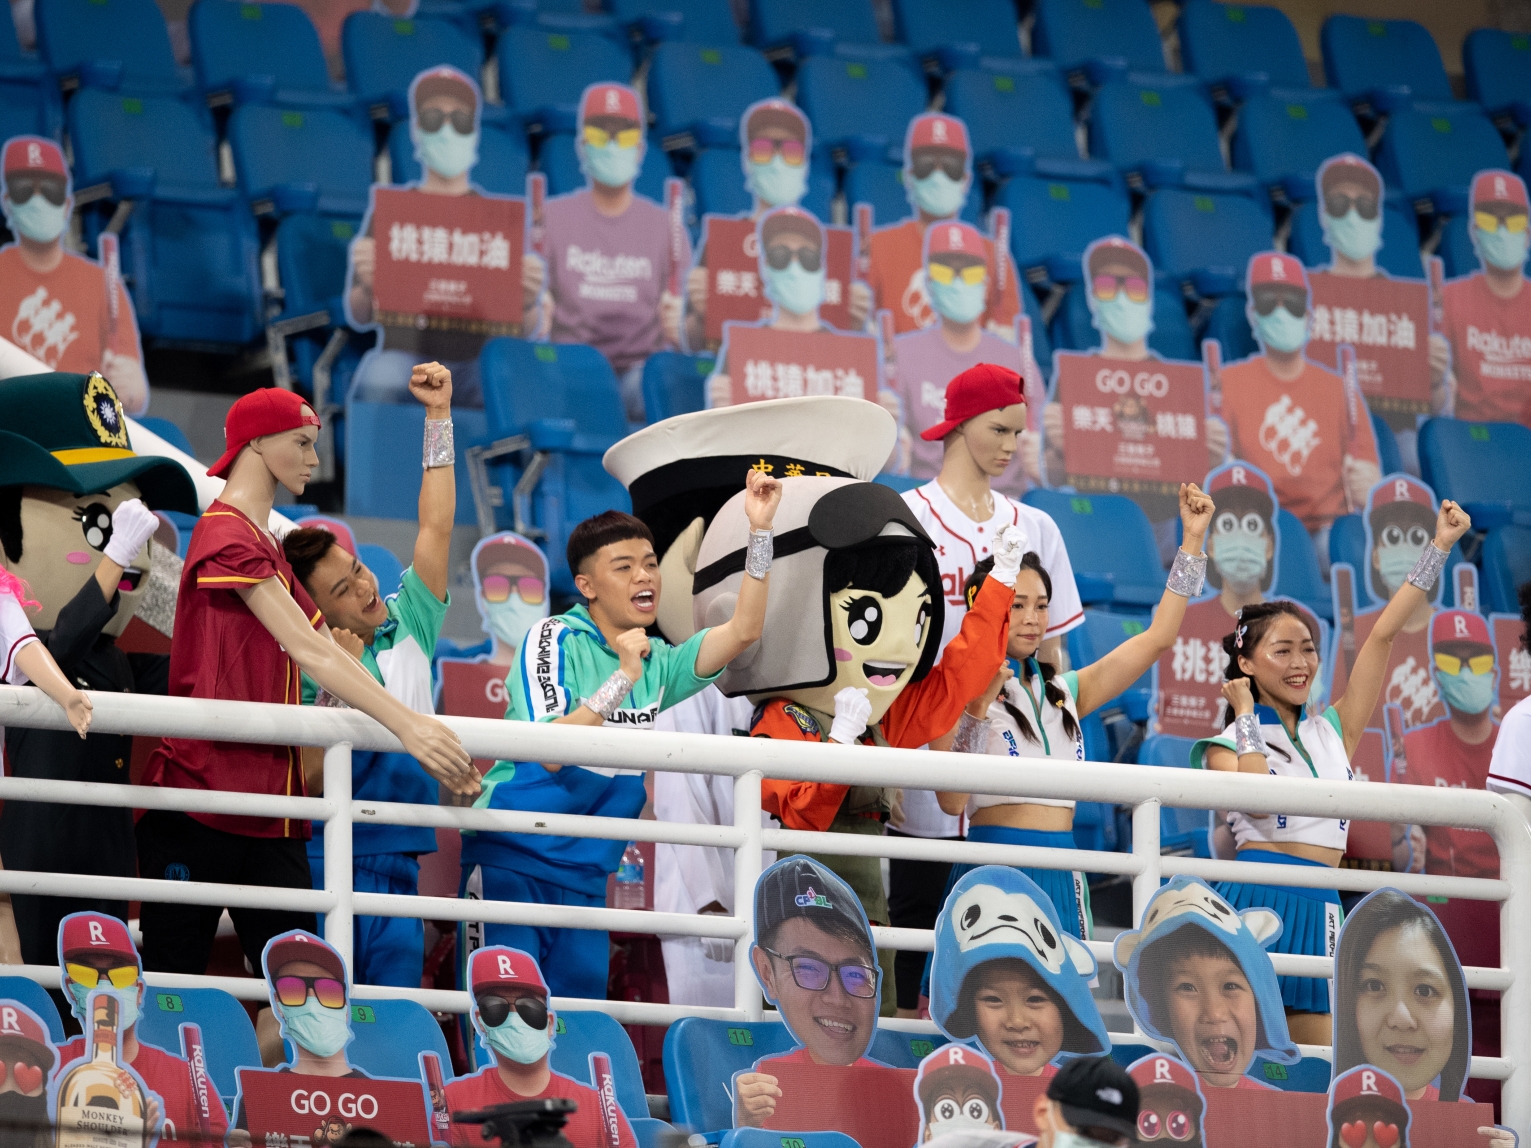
[{"x": 100, "y": 1103}]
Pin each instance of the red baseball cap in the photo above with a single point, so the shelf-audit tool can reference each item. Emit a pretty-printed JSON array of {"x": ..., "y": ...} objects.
[
  {"x": 977, "y": 1067},
  {"x": 443, "y": 81},
  {"x": 1459, "y": 626},
  {"x": 1162, "y": 1070},
  {"x": 1492, "y": 186},
  {"x": 33, "y": 153},
  {"x": 302, "y": 946},
  {"x": 986, "y": 387},
  {"x": 1351, "y": 167},
  {"x": 1365, "y": 1081},
  {"x": 1273, "y": 267},
  {"x": 955, "y": 239},
  {"x": 498, "y": 965},
  {"x": 20, "y": 1025},
  {"x": 1402, "y": 488},
  {"x": 935, "y": 129},
  {"x": 85, "y": 933},
  {"x": 610, "y": 100},
  {"x": 269, "y": 410},
  {"x": 1115, "y": 249},
  {"x": 1240, "y": 474}
]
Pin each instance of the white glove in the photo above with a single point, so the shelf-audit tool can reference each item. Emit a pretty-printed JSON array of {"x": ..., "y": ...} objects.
[
  {"x": 1009, "y": 548},
  {"x": 132, "y": 524},
  {"x": 852, "y": 708},
  {"x": 718, "y": 949}
]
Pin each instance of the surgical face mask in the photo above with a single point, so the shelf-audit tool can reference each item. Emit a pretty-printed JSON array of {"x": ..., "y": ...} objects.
[
  {"x": 1239, "y": 557},
  {"x": 1397, "y": 551},
  {"x": 1353, "y": 237},
  {"x": 939, "y": 195},
  {"x": 950, "y": 1116},
  {"x": 1122, "y": 319},
  {"x": 959, "y": 300},
  {"x": 517, "y": 1040},
  {"x": 793, "y": 289},
  {"x": 37, "y": 219},
  {"x": 511, "y": 619},
  {"x": 127, "y": 1003},
  {"x": 445, "y": 152},
  {"x": 777, "y": 183},
  {"x": 1499, "y": 248},
  {"x": 1281, "y": 330},
  {"x": 1466, "y": 692},
  {"x": 612, "y": 165},
  {"x": 323, "y": 1031}
]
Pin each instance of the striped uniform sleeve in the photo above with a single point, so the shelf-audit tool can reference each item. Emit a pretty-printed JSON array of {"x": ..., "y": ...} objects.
[
  {"x": 539, "y": 688},
  {"x": 232, "y": 556},
  {"x": 1509, "y": 770}
]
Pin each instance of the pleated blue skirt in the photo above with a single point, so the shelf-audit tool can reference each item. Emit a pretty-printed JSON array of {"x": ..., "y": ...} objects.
[{"x": 1310, "y": 924}]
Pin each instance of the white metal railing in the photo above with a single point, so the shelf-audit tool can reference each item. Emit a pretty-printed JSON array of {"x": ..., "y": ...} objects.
[{"x": 747, "y": 760}]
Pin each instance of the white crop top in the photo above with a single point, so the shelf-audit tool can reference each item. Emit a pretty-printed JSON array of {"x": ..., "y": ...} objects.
[
  {"x": 1319, "y": 751},
  {"x": 1006, "y": 739}
]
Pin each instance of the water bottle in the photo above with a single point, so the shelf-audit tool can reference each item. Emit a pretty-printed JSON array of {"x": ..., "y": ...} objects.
[{"x": 629, "y": 892}]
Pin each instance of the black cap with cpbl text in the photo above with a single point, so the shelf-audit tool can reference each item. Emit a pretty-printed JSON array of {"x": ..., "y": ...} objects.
[
  {"x": 1096, "y": 1092},
  {"x": 800, "y": 887}
]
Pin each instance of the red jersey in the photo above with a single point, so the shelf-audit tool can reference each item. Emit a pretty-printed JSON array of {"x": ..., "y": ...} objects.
[
  {"x": 1250, "y": 1083},
  {"x": 169, "y": 1076},
  {"x": 1408, "y": 681},
  {"x": 1298, "y": 433},
  {"x": 65, "y": 317},
  {"x": 1490, "y": 350},
  {"x": 897, "y": 280},
  {"x": 486, "y": 1087},
  {"x": 1437, "y": 756},
  {"x": 222, "y": 651},
  {"x": 801, "y": 1055}
]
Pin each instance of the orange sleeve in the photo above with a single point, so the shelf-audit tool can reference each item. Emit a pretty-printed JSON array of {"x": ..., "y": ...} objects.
[
  {"x": 931, "y": 707},
  {"x": 807, "y": 805}
]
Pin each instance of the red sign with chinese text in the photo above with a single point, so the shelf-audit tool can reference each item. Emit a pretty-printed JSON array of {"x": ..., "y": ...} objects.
[
  {"x": 1514, "y": 662},
  {"x": 734, "y": 290},
  {"x": 1387, "y": 321},
  {"x": 293, "y": 1110},
  {"x": 472, "y": 689},
  {"x": 449, "y": 262},
  {"x": 763, "y": 363}
]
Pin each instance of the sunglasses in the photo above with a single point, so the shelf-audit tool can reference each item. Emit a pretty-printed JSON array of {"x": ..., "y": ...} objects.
[
  {"x": 497, "y": 588},
  {"x": 955, "y": 166},
  {"x": 121, "y": 977},
  {"x": 779, "y": 256},
  {"x": 762, "y": 149},
  {"x": 944, "y": 273},
  {"x": 431, "y": 119},
  {"x": 810, "y": 973},
  {"x": 292, "y": 991},
  {"x": 1296, "y": 302},
  {"x": 1337, "y": 204},
  {"x": 1105, "y": 287},
  {"x": 600, "y": 137},
  {"x": 1484, "y": 220},
  {"x": 1480, "y": 665},
  {"x": 21, "y": 188},
  {"x": 494, "y": 1009}
]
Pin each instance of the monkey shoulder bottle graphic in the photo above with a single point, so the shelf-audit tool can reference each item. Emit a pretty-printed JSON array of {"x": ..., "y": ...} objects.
[{"x": 100, "y": 1104}]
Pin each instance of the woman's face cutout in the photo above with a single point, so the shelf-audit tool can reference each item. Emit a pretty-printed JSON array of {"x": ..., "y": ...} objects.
[
  {"x": 1285, "y": 662},
  {"x": 878, "y": 641},
  {"x": 1028, "y": 615},
  {"x": 1406, "y": 1007},
  {"x": 1213, "y": 1017},
  {"x": 1018, "y": 1023}
]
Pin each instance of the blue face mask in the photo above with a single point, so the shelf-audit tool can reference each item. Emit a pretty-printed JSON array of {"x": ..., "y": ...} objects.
[
  {"x": 793, "y": 289},
  {"x": 445, "y": 152},
  {"x": 1353, "y": 237},
  {"x": 777, "y": 183},
  {"x": 1122, "y": 319},
  {"x": 37, "y": 219},
  {"x": 322, "y": 1031},
  {"x": 612, "y": 165},
  {"x": 127, "y": 999},
  {"x": 1281, "y": 330},
  {"x": 1499, "y": 248},
  {"x": 1395, "y": 562},
  {"x": 1466, "y": 692},
  {"x": 1239, "y": 557},
  {"x": 516, "y": 1040},
  {"x": 958, "y": 301},
  {"x": 939, "y": 195},
  {"x": 511, "y": 619}
]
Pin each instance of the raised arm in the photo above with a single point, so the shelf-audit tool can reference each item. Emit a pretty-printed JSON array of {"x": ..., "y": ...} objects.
[
  {"x": 431, "y": 383},
  {"x": 1367, "y": 675},
  {"x": 726, "y": 642},
  {"x": 1112, "y": 674}
]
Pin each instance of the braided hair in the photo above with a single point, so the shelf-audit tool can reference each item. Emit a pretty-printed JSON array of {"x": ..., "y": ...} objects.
[
  {"x": 1248, "y": 632},
  {"x": 1051, "y": 691}
]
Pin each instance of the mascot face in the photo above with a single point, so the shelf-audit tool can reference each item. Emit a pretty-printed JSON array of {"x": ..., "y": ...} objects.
[
  {"x": 63, "y": 538},
  {"x": 1170, "y": 1115},
  {"x": 877, "y": 643},
  {"x": 1196, "y": 899},
  {"x": 985, "y": 915}
]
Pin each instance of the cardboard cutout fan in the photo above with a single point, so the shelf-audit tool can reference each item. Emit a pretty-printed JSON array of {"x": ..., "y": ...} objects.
[
  {"x": 958, "y": 1090},
  {"x": 1171, "y": 1106}
]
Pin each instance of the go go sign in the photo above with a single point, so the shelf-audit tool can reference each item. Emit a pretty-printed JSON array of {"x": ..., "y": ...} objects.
[{"x": 296, "y": 1108}]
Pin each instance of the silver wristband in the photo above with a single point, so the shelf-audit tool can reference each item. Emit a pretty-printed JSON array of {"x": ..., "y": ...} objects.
[
  {"x": 972, "y": 734},
  {"x": 439, "y": 448},
  {"x": 757, "y": 559},
  {"x": 1187, "y": 575},
  {"x": 1431, "y": 562},
  {"x": 608, "y": 698},
  {"x": 1246, "y": 735}
]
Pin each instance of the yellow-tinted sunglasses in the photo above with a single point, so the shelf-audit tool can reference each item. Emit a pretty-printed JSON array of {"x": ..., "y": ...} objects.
[
  {"x": 600, "y": 137},
  {"x": 1488, "y": 221},
  {"x": 943, "y": 273},
  {"x": 121, "y": 977},
  {"x": 1480, "y": 665}
]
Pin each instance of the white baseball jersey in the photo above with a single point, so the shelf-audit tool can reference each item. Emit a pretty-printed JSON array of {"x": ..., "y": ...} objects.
[{"x": 1509, "y": 770}]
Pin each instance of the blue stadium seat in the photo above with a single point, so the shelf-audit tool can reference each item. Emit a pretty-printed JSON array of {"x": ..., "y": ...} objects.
[
  {"x": 1111, "y": 546},
  {"x": 1430, "y": 153},
  {"x": 1383, "y": 64},
  {"x": 1387, "y": 445},
  {"x": 1283, "y": 138},
  {"x": 1180, "y": 830},
  {"x": 35, "y": 997},
  {"x": 1203, "y": 239},
  {"x": 808, "y": 27},
  {"x": 189, "y": 249},
  {"x": 1229, "y": 325},
  {"x": 544, "y": 72},
  {"x": 1171, "y": 336},
  {"x": 859, "y": 107},
  {"x": 260, "y": 53},
  {"x": 1506, "y": 564},
  {"x": 882, "y": 186},
  {"x": 1041, "y": 341},
  {"x": 503, "y": 158},
  {"x": 559, "y": 161},
  {"x": 228, "y": 1038},
  {"x": 166, "y": 430},
  {"x": 1015, "y": 112},
  {"x": 376, "y": 485},
  {"x": 1484, "y": 466},
  {"x": 903, "y": 1049},
  {"x": 903, "y": 483},
  {"x": 675, "y": 384},
  {"x": 1102, "y": 632},
  {"x": 695, "y": 21},
  {"x": 762, "y": 1138},
  {"x": 1347, "y": 543},
  {"x": 391, "y": 1034},
  {"x": 384, "y": 563},
  {"x": 1096, "y": 39},
  {"x": 717, "y": 180},
  {"x": 957, "y": 33},
  {"x": 118, "y": 45},
  {"x": 1054, "y": 217},
  {"x": 1310, "y": 1074},
  {"x": 1161, "y": 130},
  {"x": 697, "y": 93},
  {"x": 1399, "y": 255},
  {"x": 1298, "y": 575},
  {"x": 29, "y": 96},
  {"x": 1241, "y": 49},
  {"x": 311, "y": 258},
  {"x": 1498, "y": 66},
  {"x": 288, "y": 160},
  {"x": 1127, "y": 1054},
  {"x": 384, "y": 55},
  {"x": 700, "y": 1060}
]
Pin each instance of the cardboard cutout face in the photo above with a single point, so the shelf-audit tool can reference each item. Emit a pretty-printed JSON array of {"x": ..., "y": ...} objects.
[
  {"x": 957, "y": 1090},
  {"x": 309, "y": 986},
  {"x": 1463, "y": 662},
  {"x": 1170, "y": 1102},
  {"x": 1367, "y": 1110},
  {"x": 30, "y": 1057},
  {"x": 1400, "y": 521},
  {"x": 510, "y": 580},
  {"x": 90, "y": 1109},
  {"x": 1244, "y": 542},
  {"x": 1120, "y": 279}
]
